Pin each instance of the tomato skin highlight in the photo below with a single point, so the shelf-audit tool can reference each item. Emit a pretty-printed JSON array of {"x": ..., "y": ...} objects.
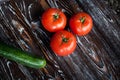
[
  {"x": 53, "y": 20},
  {"x": 63, "y": 43},
  {"x": 81, "y": 23}
]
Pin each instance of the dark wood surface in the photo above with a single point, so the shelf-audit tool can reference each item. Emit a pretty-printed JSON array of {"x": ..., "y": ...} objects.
[{"x": 97, "y": 56}]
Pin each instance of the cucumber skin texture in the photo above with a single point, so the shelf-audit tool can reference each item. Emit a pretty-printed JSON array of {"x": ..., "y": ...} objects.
[{"x": 21, "y": 57}]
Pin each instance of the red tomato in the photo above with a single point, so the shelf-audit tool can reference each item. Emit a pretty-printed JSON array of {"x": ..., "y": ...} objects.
[
  {"x": 63, "y": 43},
  {"x": 81, "y": 23},
  {"x": 53, "y": 20}
]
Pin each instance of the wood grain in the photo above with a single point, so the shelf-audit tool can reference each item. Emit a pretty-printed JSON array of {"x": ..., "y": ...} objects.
[{"x": 97, "y": 56}]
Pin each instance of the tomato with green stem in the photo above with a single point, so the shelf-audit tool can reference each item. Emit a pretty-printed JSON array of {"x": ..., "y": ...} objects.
[
  {"x": 63, "y": 43},
  {"x": 81, "y": 23},
  {"x": 53, "y": 20}
]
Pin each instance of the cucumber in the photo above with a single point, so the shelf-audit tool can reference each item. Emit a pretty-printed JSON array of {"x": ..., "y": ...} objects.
[{"x": 21, "y": 57}]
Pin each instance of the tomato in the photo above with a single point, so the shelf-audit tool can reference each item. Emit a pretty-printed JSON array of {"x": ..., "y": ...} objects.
[
  {"x": 81, "y": 23},
  {"x": 63, "y": 43},
  {"x": 53, "y": 20}
]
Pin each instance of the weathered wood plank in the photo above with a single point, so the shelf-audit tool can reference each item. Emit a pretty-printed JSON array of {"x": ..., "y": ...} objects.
[{"x": 95, "y": 58}]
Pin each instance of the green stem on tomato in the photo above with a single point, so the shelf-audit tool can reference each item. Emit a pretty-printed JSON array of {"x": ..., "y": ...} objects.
[
  {"x": 65, "y": 40},
  {"x": 82, "y": 19},
  {"x": 56, "y": 16}
]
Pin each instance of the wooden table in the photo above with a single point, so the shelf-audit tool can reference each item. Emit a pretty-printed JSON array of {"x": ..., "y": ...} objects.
[{"x": 97, "y": 56}]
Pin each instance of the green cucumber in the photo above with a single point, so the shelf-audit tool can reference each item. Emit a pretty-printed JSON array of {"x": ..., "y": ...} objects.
[{"x": 21, "y": 57}]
